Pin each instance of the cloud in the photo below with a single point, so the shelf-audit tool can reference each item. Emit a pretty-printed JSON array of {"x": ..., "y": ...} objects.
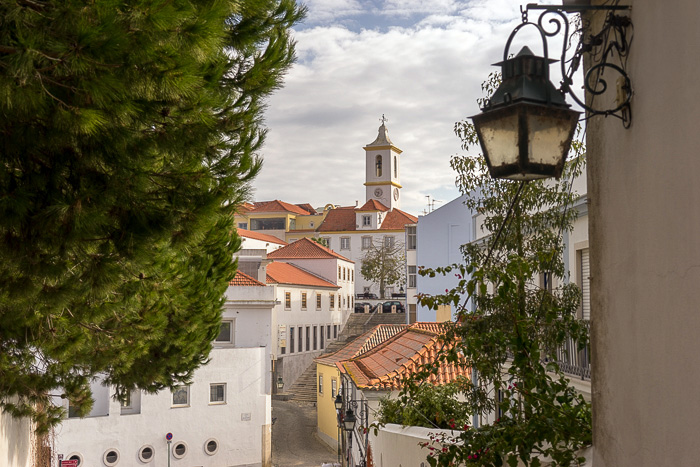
[{"x": 424, "y": 75}]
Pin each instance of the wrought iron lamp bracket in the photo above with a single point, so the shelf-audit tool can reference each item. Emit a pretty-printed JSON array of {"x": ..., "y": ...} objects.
[{"x": 613, "y": 39}]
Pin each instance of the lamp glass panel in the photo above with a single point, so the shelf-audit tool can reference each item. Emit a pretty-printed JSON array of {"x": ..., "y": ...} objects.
[
  {"x": 547, "y": 137},
  {"x": 500, "y": 139}
]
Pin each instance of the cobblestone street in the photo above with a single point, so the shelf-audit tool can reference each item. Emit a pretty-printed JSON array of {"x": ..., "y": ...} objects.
[{"x": 293, "y": 436}]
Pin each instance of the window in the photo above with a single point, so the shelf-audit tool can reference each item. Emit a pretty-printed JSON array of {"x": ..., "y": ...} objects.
[
  {"x": 334, "y": 387},
  {"x": 335, "y": 331},
  {"x": 344, "y": 243},
  {"x": 303, "y": 300},
  {"x": 225, "y": 332},
  {"x": 111, "y": 457},
  {"x": 411, "y": 237},
  {"x": 180, "y": 450},
  {"x": 300, "y": 347},
  {"x": 378, "y": 165},
  {"x": 315, "y": 337},
  {"x": 332, "y": 301},
  {"x": 389, "y": 242},
  {"x": 340, "y": 272},
  {"x": 328, "y": 334},
  {"x": 326, "y": 241},
  {"x": 217, "y": 393},
  {"x": 308, "y": 338},
  {"x": 126, "y": 403},
  {"x": 243, "y": 225},
  {"x": 318, "y": 301},
  {"x": 211, "y": 446},
  {"x": 287, "y": 300},
  {"x": 321, "y": 334},
  {"x": 412, "y": 276},
  {"x": 366, "y": 243},
  {"x": 320, "y": 384},
  {"x": 396, "y": 167},
  {"x": 181, "y": 396},
  {"x": 366, "y": 220},
  {"x": 146, "y": 453},
  {"x": 344, "y": 271},
  {"x": 353, "y": 275},
  {"x": 268, "y": 224},
  {"x": 291, "y": 340}
]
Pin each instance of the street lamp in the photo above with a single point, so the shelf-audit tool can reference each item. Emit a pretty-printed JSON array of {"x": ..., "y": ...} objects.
[
  {"x": 349, "y": 420},
  {"x": 280, "y": 383},
  {"x": 526, "y": 128},
  {"x": 338, "y": 402}
]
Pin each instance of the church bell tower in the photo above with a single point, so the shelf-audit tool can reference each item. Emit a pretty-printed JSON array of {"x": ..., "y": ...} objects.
[{"x": 382, "y": 165}]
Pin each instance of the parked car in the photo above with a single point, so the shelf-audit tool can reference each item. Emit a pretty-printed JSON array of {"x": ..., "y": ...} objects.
[
  {"x": 386, "y": 307},
  {"x": 360, "y": 307},
  {"x": 367, "y": 296}
]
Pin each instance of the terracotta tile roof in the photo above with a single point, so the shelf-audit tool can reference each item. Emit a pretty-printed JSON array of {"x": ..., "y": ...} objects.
[
  {"x": 373, "y": 205},
  {"x": 383, "y": 367},
  {"x": 342, "y": 219},
  {"x": 305, "y": 248},
  {"x": 397, "y": 220},
  {"x": 243, "y": 279},
  {"x": 260, "y": 236},
  {"x": 362, "y": 343},
  {"x": 285, "y": 273},
  {"x": 308, "y": 207},
  {"x": 244, "y": 208},
  {"x": 277, "y": 206}
]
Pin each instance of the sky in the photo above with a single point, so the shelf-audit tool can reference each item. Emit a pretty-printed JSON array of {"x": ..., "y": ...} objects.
[{"x": 419, "y": 63}]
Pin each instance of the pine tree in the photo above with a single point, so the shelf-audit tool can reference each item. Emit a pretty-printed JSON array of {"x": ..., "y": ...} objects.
[{"x": 129, "y": 132}]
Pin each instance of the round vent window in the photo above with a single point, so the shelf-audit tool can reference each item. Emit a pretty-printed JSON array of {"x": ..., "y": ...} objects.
[
  {"x": 211, "y": 446},
  {"x": 75, "y": 456},
  {"x": 146, "y": 453},
  {"x": 180, "y": 449},
  {"x": 111, "y": 457}
]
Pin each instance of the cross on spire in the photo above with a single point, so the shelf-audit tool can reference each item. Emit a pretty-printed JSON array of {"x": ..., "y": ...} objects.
[{"x": 383, "y": 119}]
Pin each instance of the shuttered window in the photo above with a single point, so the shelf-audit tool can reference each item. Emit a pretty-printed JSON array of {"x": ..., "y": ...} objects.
[{"x": 585, "y": 284}]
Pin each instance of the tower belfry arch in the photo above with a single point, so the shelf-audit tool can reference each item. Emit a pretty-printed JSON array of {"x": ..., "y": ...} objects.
[{"x": 382, "y": 169}]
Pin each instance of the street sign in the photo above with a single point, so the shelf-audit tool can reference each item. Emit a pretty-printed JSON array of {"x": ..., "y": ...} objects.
[
  {"x": 169, "y": 436},
  {"x": 70, "y": 463}
]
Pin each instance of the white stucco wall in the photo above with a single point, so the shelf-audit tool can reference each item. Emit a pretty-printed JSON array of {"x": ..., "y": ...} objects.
[
  {"x": 439, "y": 237},
  {"x": 16, "y": 440},
  {"x": 241, "y": 425}
]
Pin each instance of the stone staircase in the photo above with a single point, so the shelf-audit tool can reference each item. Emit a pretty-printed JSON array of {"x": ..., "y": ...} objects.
[{"x": 304, "y": 388}]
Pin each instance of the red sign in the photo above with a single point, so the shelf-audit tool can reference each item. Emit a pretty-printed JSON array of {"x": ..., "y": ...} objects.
[{"x": 70, "y": 463}]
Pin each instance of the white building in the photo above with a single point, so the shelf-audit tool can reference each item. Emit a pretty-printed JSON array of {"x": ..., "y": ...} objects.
[
  {"x": 314, "y": 289},
  {"x": 221, "y": 419},
  {"x": 351, "y": 230},
  {"x": 440, "y": 234}
]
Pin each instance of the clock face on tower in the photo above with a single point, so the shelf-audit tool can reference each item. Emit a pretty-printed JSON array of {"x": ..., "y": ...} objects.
[
  {"x": 378, "y": 192},
  {"x": 396, "y": 194}
]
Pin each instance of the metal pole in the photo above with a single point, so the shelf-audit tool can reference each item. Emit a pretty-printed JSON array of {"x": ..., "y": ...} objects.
[{"x": 169, "y": 441}]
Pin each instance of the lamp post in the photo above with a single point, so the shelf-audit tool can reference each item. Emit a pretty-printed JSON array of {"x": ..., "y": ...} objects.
[{"x": 349, "y": 412}]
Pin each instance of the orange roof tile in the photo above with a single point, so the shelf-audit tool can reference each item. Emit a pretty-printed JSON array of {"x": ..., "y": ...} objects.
[
  {"x": 397, "y": 220},
  {"x": 308, "y": 207},
  {"x": 243, "y": 279},
  {"x": 362, "y": 343},
  {"x": 338, "y": 220},
  {"x": 277, "y": 206},
  {"x": 260, "y": 236},
  {"x": 373, "y": 205},
  {"x": 285, "y": 273},
  {"x": 383, "y": 367},
  {"x": 244, "y": 208},
  {"x": 305, "y": 248}
]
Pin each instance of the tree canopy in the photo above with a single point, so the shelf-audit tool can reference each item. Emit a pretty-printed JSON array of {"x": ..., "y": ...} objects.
[
  {"x": 511, "y": 335},
  {"x": 130, "y": 131},
  {"x": 384, "y": 263}
]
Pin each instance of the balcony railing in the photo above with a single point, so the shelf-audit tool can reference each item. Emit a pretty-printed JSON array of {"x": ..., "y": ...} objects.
[{"x": 573, "y": 361}]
